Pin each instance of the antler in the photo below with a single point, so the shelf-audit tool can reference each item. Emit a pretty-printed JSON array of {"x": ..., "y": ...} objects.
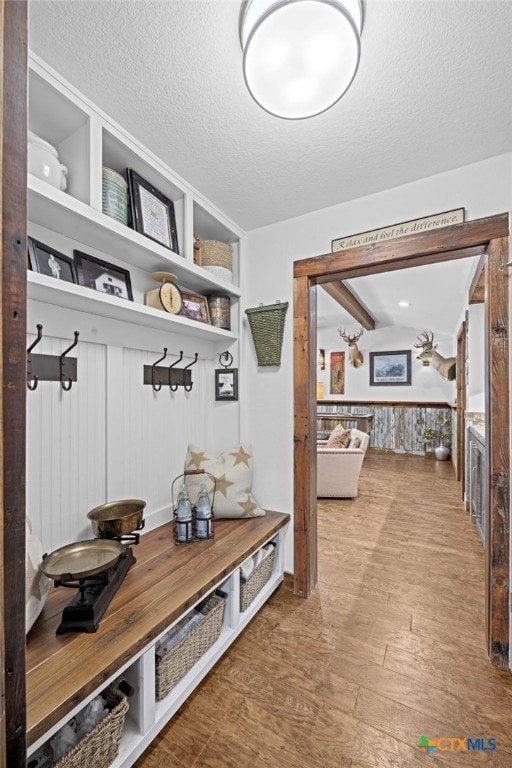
[
  {"x": 426, "y": 343},
  {"x": 351, "y": 339}
]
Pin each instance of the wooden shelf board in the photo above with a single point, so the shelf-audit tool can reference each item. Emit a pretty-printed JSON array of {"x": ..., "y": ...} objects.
[
  {"x": 81, "y": 299},
  {"x": 54, "y": 209}
]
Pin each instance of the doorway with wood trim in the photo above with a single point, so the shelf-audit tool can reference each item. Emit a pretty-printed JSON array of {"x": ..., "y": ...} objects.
[{"x": 480, "y": 237}]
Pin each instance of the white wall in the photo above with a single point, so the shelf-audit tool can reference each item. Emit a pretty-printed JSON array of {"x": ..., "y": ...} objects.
[
  {"x": 476, "y": 358},
  {"x": 426, "y": 384},
  {"x": 484, "y": 189}
]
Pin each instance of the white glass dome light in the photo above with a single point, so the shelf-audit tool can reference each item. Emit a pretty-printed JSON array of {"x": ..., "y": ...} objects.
[{"x": 300, "y": 56}]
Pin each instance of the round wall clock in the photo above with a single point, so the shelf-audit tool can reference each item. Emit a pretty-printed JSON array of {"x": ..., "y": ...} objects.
[{"x": 168, "y": 297}]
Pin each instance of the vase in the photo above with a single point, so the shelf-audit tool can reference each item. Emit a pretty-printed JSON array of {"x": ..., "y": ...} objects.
[{"x": 441, "y": 452}]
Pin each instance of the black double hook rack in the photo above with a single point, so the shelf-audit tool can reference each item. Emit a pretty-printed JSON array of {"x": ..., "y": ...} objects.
[
  {"x": 51, "y": 367},
  {"x": 169, "y": 376}
]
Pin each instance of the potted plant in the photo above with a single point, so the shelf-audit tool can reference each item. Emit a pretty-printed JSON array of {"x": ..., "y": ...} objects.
[{"x": 439, "y": 435}]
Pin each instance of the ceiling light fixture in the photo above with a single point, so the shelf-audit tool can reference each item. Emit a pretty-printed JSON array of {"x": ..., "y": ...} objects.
[
  {"x": 300, "y": 56},
  {"x": 403, "y": 304}
]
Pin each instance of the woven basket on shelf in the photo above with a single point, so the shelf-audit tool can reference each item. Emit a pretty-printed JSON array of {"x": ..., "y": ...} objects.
[
  {"x": 267, "y": 328},
  {"x": 214, "y": 256},
  {"x": 180, "y": 659},
  {"x": 99, "y": 748},
  {"x": 256, "y": 580}
]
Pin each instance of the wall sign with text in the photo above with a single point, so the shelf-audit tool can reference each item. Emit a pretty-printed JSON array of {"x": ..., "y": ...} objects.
[{"x": 426, "y": 224}]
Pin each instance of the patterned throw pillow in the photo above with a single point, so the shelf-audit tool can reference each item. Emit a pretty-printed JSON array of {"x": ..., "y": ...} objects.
[
  {"x": 233, "y": 474},
  {"x": 355, "y": 442},
  {"x": 339, "y": 437}
]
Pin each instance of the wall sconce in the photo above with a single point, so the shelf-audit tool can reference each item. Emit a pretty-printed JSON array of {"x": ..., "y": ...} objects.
[
  {"x": 321, "y": 359},
  {"x": 300, "y": 56}
]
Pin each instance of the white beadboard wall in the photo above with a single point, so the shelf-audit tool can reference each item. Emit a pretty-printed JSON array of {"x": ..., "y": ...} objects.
[
  {"x": 66, "y": 472},
  {"x": 111, "y": 436}
]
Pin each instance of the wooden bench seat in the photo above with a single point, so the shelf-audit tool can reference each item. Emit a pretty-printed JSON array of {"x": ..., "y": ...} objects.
[{"x": 164, "y": 582}]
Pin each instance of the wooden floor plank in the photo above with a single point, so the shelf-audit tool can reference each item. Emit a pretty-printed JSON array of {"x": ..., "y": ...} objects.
[{"x": 389, "y": 647}]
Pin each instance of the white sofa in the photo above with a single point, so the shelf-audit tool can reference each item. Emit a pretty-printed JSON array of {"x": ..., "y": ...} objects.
[{"x": 338, "y": 469}]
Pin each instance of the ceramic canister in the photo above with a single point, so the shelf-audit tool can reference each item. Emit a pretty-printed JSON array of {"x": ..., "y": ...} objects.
[
  {"x": 114, "y": 195},
  {"x": 43, "y": 161},
  {"x": 220, "y": 311}
]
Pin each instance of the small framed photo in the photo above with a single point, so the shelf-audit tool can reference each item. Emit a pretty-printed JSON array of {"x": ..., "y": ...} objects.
[
  {"x": 152, "y": 212},
  {"x": 195, "y": 307},
  {"x": 102, "y": 276},
  {"x": 390, "y": 369},
  {"x": 226, "y": 383},
  {"x": 50, "y": 262}
]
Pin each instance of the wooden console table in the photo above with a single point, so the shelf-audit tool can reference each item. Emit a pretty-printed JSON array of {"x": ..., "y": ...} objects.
[{"x": 64, "y": 672}]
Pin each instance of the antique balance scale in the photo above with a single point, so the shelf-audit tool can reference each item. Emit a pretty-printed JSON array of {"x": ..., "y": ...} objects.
[{"x": 95, "y": 568}]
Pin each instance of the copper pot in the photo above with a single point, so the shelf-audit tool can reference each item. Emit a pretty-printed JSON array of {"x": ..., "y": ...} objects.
[{"x": 117, "y": 518}]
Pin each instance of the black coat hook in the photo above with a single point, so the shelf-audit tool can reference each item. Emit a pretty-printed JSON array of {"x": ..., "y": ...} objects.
[
  {"x": 194, "y": 361},
  {"x": 67, "y": 387},
  {"x": 174, "y": 386},
  {"x": 188, "y": 387},
  {"x": 35, "y": 381},
  {"x": 157, "y": 387}
]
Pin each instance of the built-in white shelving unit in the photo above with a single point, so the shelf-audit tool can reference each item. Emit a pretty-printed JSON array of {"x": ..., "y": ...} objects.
[{"x": 86, "y": 140}]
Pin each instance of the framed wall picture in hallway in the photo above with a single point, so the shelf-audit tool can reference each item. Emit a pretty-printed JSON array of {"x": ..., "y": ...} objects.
[{"x": 337, "y": 373}]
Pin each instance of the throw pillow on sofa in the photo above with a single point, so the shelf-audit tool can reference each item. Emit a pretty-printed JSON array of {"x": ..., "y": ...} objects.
[
  {"x": 339, "y": 438},
  {"x": 233, "y": 474}
]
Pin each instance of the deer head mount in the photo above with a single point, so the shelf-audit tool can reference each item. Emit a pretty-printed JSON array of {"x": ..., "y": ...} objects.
[
  {"x": 355, "y": 356},
  {"x": 445, "y": 366}
]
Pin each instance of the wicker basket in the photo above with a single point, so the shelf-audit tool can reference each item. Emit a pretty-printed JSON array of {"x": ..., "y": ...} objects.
[
  {"x": 99, "y": 748},
  {"x": 267, "y": 328},
  {"x": 214, "y": 256},
  {"x": 255, "y": 582},
  {"x": 180, "y": 659}
]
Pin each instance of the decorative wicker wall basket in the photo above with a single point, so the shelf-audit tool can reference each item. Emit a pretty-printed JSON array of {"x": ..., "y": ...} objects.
[
  {"x": 100, "y": 747},
  {"x": 214, "y": 256},
  {"x": 255, "y": 582},
  {"x": 267, "y": 328},
  {"x": 180, "y": 659}
]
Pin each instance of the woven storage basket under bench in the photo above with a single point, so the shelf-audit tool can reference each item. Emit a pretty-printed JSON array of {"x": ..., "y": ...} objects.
[
  {"x": 179, "y": 660},
  {"x": 99, "y": 748},
  {"x": 254, "y": 583}
]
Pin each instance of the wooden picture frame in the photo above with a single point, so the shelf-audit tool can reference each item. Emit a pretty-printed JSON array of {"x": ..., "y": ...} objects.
[
  {"x": 102, "y": 276},
  {"x": 152, "y": 212},
  {"x": 390, "y": 369},
  {"x": 195, "y": 307},
  {"x": 47, "y": 261},
  {"x": 226, "y": 383}
]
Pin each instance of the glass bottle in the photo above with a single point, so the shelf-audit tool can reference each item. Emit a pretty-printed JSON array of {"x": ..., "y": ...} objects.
[
  {"x": 203, "y": 514},
  {"x": 183, "y": 516}
]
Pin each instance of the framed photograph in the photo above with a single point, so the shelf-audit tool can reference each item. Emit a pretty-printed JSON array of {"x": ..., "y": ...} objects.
[
  {"x": 152, "y": 212},
  {"x": 50, "y": 262},
  {"x": 390, "y": 369},
  {"x": 195, "y": 307},
  {"x": 102, "y": 276},
  {"x": 226, "y": 383}
]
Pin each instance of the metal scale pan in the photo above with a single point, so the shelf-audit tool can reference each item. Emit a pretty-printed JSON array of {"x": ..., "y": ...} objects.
[{"x": 82, "y": 559}]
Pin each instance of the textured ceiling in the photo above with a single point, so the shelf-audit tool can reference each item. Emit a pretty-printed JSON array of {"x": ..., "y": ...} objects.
[{"x": 432, "y": 93}]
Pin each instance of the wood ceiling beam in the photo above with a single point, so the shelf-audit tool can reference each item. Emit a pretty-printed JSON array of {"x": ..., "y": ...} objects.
[
  {"x": 476, "y": 293},
  {"x": 345, "y": 298}
]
